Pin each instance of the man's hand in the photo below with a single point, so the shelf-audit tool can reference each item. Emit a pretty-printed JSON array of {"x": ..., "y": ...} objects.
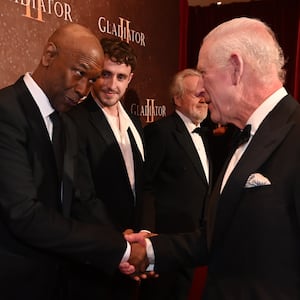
[
  {"x": 137, "y": 264},
  {"x": 138, "y": 258},
  {"x": 139, "y": 237},
  {"x": 128, "y": 231}
]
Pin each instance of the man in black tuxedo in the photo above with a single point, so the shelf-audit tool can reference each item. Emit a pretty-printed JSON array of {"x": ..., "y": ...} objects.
[
  {"x": 253, "y": 215},
  {"x": 36, "y": 231},
  {"x": 112, "y": 141},
  {"x": 178, "y": 174}
]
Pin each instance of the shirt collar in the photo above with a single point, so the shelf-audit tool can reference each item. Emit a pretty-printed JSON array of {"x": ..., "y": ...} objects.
[
  {"x": 187, "y": 122},
  {"x": 265, "y": 108},
  {"x": 38, "y": 95}
]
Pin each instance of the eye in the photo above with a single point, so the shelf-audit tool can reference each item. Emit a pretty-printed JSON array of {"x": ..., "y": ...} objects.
[
  {"x": 93, "y": 80},
  {"x": 105, "y": 74},
  {"x": 78, "y": 73},
  {"x": 121, "y": 77}
]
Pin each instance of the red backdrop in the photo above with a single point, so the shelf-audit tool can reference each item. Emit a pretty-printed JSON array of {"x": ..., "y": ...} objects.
[{"x": 154, "y": 34}]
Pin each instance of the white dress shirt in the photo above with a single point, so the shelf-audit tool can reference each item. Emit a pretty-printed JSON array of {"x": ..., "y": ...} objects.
[
  {"x": 255, "y": 120},
  {"x": 198, "y": 142},
  {"x": 119, "y": 125},
  {"x": 41, "y": 101}
]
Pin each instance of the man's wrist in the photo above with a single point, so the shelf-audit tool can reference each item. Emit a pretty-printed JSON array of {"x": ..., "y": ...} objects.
[
  {"x": 126, "y": 253},
  {"x": 150, "y": 255}
]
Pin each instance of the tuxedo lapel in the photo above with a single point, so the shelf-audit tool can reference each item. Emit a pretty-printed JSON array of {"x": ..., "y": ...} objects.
[
  {"x": 267, "y": 138},
  {"x": 98, "y": 120},
  {"x": 39, "y": 143},
  {"x": 35, "y": 120},
  {"x": 137, "y": 159},
  {"x": 184, "y": 140}
]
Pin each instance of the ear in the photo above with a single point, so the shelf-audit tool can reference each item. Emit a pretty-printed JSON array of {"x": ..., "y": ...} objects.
[
  {"x": 237, "y": 68},
  {"x": 177, "y": 100},
  {"x": 130, "y": 77},
  {"x": 50, "y": 52}
]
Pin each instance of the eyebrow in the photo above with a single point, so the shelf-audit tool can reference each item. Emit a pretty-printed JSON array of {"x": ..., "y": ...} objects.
[{"x": 85, "y": 66}]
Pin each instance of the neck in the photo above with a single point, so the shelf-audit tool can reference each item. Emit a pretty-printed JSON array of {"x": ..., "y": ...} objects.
[{"x": 111, "y": 110}]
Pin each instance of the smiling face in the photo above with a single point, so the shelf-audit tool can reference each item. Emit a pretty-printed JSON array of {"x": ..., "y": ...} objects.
[
  {"x": 111, "y": 86},
  {"x": 192, "y": 102}
]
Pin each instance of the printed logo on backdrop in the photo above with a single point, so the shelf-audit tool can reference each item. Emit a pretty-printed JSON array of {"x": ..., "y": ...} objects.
[
  {"x": 35, "y": 9},
  {"x": 149, "y": 110},
  {"x": 122, "y": 29}
]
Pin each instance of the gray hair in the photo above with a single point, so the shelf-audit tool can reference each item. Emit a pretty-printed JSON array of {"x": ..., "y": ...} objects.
[
  {"x": 254, "y": 40},
  {"x": 177, "y": 88}
]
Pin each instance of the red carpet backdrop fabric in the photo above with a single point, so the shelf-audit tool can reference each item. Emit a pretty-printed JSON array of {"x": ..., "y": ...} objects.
[{"x": 152, "y": 27}]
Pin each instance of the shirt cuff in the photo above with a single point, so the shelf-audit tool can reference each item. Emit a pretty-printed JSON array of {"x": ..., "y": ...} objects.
[
  {"x": 127, "y": 253},
  {"x": 150, "y": 255}
]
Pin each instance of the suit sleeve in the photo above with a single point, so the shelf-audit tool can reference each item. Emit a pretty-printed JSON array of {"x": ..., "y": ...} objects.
[
  {"x": 29, "y": 220},
  {"x": 179, "y": 250},
  {"x": 154, "y": 153}
]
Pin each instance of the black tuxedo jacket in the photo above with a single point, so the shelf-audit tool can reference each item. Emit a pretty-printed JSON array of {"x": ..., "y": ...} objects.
[
  {"x": 115, "y": 203},
  {"x": 175, "y": 175},
  {"x": 34, "y": 234},
  {"x": 253, "y": 233}
]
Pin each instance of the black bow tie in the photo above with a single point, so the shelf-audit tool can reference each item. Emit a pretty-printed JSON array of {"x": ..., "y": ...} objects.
[
  {"x": 243, "y": 136},
  {"x": 202, "y": 131}
]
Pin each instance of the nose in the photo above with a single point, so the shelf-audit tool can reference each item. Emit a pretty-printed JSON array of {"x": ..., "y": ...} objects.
[
  {"x": 83, "y": 87},
  {"x": 204, "y": 96},
  {"x": 111, "y": 82}
]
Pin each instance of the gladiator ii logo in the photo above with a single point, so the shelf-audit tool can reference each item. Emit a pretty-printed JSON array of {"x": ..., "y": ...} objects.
[
  {"x": 149, "y": 110},
  {"x": 35, "y": 9},
  {"x": 123, "y": 29}
]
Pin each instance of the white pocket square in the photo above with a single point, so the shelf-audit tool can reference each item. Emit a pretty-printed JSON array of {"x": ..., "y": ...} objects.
[{"x": 257, "y": 179}]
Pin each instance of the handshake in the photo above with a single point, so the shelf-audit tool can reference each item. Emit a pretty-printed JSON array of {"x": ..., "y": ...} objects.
[{"x": 137, "y": 266}]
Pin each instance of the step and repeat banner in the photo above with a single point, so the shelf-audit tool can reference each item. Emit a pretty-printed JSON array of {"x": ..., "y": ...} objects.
[{"x": 151, "y": 27}]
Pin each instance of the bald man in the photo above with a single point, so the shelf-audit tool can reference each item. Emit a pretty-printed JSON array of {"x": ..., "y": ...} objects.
[{"x": 35, "y": 229}]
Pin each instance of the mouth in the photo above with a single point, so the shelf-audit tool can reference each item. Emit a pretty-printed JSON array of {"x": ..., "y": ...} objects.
[
  {"x": 72, "y": 102},
  {"x": 109, "y": 92}
]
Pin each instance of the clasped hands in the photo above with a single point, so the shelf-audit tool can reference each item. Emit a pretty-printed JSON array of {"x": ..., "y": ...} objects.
[{"x": 137, "y": 264}]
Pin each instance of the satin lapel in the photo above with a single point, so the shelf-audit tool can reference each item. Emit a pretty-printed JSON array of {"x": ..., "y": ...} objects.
[
  {"x": 138, "y": 160},
  {"x": 267, "y": 138},
  {"x": 35, "y": 120},
  {"x": 39, "y": 142},
  {"x": 211, "y": 207},
  {"x": 98, "y": 120},
  {"x": 184, "y": 140}
]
